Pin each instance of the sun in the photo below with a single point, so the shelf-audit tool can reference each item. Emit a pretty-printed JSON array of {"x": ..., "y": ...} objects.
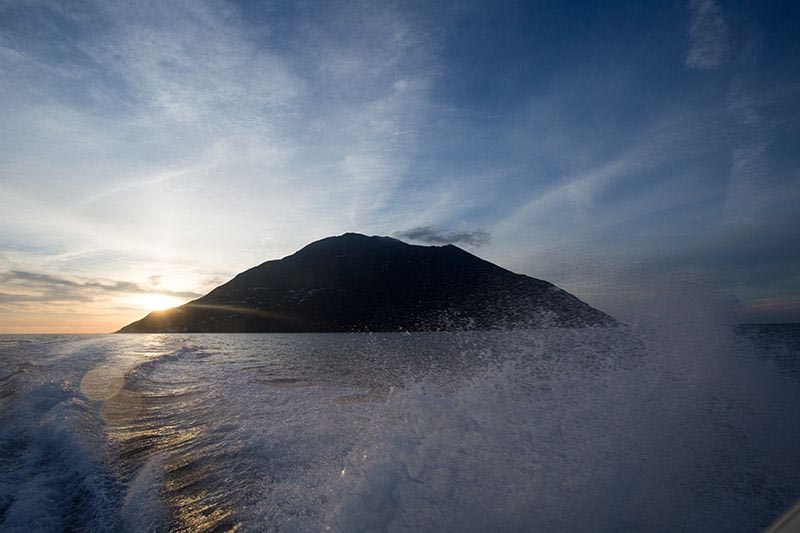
[{"x": 157, "y": 302}]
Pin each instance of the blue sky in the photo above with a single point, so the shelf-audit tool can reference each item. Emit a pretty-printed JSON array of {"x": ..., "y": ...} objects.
[{"x": 151, "y": 150}]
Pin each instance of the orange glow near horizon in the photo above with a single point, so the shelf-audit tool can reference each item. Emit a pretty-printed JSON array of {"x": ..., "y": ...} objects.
[
  {"x": 100, "y": 316},
  {"x": 154, "y": 301},
  {"x": 65, "y": 323}
]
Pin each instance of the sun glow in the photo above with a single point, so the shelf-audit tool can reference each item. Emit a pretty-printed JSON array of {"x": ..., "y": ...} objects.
[{"x": 156, "y": 302}]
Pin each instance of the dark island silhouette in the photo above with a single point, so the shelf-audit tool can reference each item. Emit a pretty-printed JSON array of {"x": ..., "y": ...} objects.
[{"x": 358, "y": 283}]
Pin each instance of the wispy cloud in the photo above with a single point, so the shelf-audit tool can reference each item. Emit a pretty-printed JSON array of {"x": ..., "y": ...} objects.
[
  {"x": 708, "y": 36},
  {"x": 581, "y": 194},
  {"x": 20, "y": 287},
  {"x": 434, "y": 235},
  {"x": 161, "y": 129},
  {"x": 757, "y": 185}
]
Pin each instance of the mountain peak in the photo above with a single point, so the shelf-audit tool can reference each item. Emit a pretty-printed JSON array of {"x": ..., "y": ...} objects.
[{"x": 351, "y": 237}]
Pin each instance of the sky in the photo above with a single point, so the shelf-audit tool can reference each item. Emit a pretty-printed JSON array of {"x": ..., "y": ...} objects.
[{"x": 152, "y": 150}]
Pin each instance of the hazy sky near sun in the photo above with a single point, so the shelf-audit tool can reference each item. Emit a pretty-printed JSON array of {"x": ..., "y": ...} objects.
[{"x": 151, "y": 150}]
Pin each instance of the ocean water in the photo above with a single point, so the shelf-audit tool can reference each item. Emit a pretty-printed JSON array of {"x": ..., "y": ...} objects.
[{"x": 673, "y": 429}]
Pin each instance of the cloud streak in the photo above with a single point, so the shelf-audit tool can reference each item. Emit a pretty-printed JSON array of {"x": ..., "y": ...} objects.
[
  {"x": 23, "y": 287},
  {"x": 708, "y": 36},
  {"x": 435, "y": 235}
]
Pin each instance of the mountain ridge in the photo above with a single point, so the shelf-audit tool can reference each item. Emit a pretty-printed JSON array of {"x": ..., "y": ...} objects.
[{"x": 353, "y": 282}]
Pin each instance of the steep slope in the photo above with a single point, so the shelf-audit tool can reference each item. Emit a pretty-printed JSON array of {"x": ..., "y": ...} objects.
[{"x": 357, "y": 283}]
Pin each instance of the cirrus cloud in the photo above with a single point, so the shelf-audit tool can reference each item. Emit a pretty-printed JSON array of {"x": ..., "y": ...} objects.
[{"x": 708, "y": 36}]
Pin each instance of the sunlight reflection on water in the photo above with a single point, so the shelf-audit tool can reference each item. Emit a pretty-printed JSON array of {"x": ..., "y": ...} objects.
[{"x": 103, "y": 382}]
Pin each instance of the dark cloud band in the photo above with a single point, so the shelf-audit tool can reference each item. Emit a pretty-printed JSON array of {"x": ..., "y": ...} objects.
[
  {"x": 434, "y": 235},
  {"x": 34, "y": 286}
]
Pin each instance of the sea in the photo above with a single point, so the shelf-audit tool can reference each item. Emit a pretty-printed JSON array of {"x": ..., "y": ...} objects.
[{"x": 684, "y": 428}]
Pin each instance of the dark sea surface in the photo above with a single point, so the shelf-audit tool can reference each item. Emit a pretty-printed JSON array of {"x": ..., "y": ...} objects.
[{"x": 685, "y": 428}]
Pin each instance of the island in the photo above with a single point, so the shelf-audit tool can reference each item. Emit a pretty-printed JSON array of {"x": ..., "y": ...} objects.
[{"x": 358, "y": 283}]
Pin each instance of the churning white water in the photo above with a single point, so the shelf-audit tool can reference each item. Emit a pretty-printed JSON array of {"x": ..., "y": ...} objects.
[{"x": 680, "y": 429}]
